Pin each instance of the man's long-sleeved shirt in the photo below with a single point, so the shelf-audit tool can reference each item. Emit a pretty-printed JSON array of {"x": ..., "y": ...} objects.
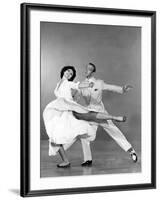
[{"x": 94, "y": 94}]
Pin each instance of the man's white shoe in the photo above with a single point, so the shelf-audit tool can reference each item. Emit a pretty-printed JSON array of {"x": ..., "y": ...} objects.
[{"x": 134, "y": 156}]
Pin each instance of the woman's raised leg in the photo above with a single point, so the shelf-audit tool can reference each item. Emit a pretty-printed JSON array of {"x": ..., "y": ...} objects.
[
  {"x": 110, "y": 117},
  {"x": 98, "y": 117}
]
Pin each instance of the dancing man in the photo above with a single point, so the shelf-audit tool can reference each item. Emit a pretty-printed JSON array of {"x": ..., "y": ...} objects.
[{"x": 93, "y": 97}]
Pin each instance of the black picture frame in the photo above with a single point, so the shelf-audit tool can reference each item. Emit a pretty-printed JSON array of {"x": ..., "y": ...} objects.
[{"x": 26, "y": 8}]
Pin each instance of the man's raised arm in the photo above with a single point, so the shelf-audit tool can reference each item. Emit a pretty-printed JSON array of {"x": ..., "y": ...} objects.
[{"x": 116, "y": 88}]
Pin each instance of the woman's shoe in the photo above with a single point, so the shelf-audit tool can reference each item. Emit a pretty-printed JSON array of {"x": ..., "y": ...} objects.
[
  {"x": 121, "y": 119},
  {"x": 124, "y": 118},
  {"x": 63, "y": 165}
]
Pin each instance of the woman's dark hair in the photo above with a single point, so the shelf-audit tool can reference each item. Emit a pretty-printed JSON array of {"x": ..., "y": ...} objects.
[
  {"x": 94, "y": 67},
  {"x": 65, "y": 68}
]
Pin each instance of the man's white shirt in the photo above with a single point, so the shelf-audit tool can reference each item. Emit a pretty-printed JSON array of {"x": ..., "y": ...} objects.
[{"x": 94, "y": 94}]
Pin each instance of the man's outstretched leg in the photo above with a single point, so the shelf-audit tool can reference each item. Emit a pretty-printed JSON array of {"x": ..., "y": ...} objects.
[
  {"x": 121, "y": 140},
  {"x": 98, "y": 117}
]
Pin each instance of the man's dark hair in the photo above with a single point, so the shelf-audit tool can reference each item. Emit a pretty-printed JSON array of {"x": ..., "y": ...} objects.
[
  {"x": 65, "y": 68},
  {"x": 94, "y": 67}
]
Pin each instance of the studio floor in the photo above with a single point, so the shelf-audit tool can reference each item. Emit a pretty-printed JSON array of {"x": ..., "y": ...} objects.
[{"x": 108, "y": 158}]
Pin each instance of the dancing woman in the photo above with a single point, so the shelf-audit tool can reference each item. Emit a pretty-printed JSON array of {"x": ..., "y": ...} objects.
[{"x": 61, "y": 125}]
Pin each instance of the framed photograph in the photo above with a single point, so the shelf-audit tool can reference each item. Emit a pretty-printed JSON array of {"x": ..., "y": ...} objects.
[{"x": 88, "y": 99}]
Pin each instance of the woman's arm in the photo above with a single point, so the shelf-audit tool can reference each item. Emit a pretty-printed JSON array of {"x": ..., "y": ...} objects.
[
  {"x": 81, "y": 85},
  {"x": 85, "y": 84},
  {"x": 83, "y": 91}
]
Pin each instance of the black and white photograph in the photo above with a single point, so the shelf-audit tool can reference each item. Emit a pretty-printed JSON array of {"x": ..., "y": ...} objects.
[
  {"x": 90, "y": 99},
  {"x": 88, "y": 109},
  {"x": 80, "y": 100}
]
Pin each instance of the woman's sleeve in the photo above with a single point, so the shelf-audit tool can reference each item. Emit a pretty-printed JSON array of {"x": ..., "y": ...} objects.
[{"x": 74, "y": 85}]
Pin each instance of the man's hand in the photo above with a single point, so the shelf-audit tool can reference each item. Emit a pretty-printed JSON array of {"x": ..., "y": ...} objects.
[{"x": 126, "y": 88}]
